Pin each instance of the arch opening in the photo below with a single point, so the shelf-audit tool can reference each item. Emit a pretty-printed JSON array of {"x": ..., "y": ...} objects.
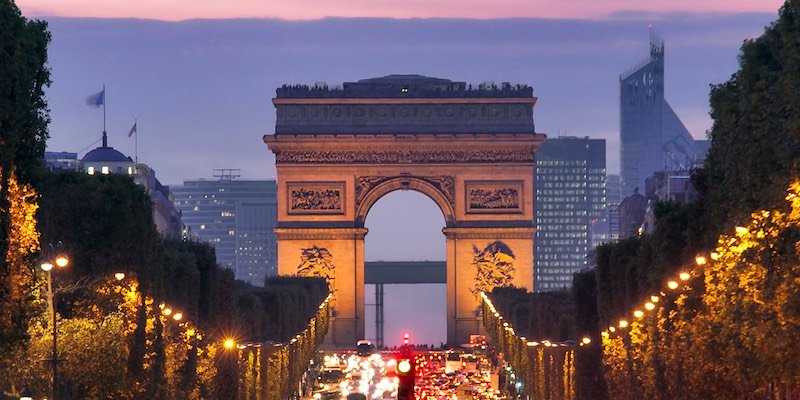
[
  {"x": 405, "y": 237},
  {"x": 442, "y": 197}
]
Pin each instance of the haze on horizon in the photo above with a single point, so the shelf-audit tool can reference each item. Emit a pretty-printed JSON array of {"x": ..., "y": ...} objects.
[{"x": 176, "y": 10}]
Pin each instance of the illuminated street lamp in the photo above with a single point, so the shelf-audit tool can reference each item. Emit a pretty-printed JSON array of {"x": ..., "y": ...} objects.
[
  {"x": 700, "y": 260},
  {"x": 684, "y": 276},
  {"x": 177, "y": 316},
  {"x": 672, "y": 285},
  {"x": 48, "y": 264},
  {"x": 229, "y": 343},
  {"x": 120, "y": 276}
]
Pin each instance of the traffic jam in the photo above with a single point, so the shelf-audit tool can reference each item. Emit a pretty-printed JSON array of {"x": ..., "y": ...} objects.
[{"x": 467, "y": 372}]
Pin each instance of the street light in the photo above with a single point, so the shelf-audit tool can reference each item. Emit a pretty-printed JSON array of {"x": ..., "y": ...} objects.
[
  {"x": 120, "y": 276},
  {"x": 47, "y": 265}
]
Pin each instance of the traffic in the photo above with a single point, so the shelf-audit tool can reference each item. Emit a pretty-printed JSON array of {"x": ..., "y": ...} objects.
[{"x": 364, "y": 373}]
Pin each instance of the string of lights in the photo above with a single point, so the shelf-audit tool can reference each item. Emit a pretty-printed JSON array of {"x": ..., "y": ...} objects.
[{"x": 673, "y": 284}]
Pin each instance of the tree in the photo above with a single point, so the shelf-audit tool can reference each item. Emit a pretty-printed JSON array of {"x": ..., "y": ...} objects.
[
  {"x": 755, "y": 146},
  {"x": 23, "y": 131}
]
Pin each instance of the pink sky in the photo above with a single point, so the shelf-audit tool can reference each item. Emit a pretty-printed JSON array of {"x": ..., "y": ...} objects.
[{"x": 314, "y": 9}]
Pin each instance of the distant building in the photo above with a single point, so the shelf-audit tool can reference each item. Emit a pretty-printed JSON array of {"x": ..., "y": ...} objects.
[
  {"x": 106, "y": 160},
  {"x": 570, "y": 201},
  {"x": 670, "y": 186},
  {"x": 237, "y": 217},
  {"x": 165, "y": 215},
  {"x": 652, "y": 136},
  {"x": 57, "y": 160},
  {"x": 631, "y": 215},
  {"x": 613, "y": 199}
]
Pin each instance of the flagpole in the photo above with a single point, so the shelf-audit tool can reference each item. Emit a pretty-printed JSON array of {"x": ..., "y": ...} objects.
[
  {"x": 136, "y": 141},
  {"x": 104, "y": 109}
]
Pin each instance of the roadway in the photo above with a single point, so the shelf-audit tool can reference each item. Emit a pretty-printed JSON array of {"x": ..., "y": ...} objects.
[{"x": 439, "y": 375}]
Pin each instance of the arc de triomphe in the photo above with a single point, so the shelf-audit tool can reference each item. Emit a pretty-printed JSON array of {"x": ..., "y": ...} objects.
[{"x": 470, "y": 150}]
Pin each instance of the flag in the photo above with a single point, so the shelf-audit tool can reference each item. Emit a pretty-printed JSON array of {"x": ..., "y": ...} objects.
[
  {"x": 133, "y": 129},
  {"x": 98, "y": 99}
]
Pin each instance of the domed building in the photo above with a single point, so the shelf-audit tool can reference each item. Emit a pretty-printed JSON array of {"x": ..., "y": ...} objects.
[{"x": 106, "y": 160}]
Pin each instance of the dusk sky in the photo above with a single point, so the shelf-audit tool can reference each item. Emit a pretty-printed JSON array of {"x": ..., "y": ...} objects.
[
  {"x": 175, "y": 10},
  {"x": 201, "y": 88}
]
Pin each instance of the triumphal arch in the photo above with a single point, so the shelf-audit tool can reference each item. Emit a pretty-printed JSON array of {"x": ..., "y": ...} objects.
[{"x": 471, "y": 150}]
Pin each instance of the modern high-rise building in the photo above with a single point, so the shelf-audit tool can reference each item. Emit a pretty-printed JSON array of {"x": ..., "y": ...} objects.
[
  {"x": 237, "y": 217},
  {"x": 613, "y": 199},
  {"x": 652, "y": 136},
  {"x": 570, "y": 200}
]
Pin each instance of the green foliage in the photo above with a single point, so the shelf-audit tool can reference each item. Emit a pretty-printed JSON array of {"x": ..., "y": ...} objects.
[
  {"x": 105, "y": 223},
  {"x": 280, "y": 309},
  {"x": 94, "y": 354},
  {"x": 756, "y": 134},
  {"x": 23, "y": 76},
  {"x": 547, "y": 315},
  {"x": 23, "y": 131}
]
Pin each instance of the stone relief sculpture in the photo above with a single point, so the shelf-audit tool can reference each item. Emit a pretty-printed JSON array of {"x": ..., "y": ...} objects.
[
  {"x": 316, "y": 198},
  {"x": 494, "y": 197},
  {"x": 484, "y": 198},
  {"x": 445, "y": 184},
  {"x": 405, "y": 157},
  {"x": 318, "y": 261},
  {"x": 494, "y": 267}
]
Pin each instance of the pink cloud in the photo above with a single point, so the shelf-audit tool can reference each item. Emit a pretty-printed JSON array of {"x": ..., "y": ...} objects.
[{"x": 313, "y": 9}]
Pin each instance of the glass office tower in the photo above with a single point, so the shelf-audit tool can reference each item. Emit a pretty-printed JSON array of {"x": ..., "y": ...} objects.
[
  {"x": 570, "y": 201},
  {"x": 652, "y": 136},
  {"x": 238, "y": 218}
]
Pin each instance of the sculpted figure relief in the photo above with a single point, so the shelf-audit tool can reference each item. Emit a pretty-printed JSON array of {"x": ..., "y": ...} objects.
[
  {"x": 494, "y": 267},
  {"x": 394, "y": 157},
  {"x": 493, "y": 198},
  {"x": 318, "y": 261},
  {"x": 315, "y": 198}
]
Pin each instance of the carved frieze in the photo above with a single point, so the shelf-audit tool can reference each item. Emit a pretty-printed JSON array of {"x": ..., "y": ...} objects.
[
  {"x": 444, "y": 183},
  {"x": 494, "y": 197},
  {"x": 403, "y": 157},
  {"x": 315, "y": 197}
]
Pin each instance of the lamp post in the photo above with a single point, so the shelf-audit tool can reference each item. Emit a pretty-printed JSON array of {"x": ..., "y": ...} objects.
[{"x": 47, "y": 265}]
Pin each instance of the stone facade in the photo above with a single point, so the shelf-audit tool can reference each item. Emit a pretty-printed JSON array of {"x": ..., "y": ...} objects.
[{"x": 483, "y": 183}]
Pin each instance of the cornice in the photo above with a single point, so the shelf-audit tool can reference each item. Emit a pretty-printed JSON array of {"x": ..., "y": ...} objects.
[{"x": 320, "y": 233}]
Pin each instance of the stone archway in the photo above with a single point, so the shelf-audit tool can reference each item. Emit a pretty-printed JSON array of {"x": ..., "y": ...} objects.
[
  {"x": 370, "y": 189},
  {"x": 484, "y": 189},
  {"x": 470, "y": 151}
]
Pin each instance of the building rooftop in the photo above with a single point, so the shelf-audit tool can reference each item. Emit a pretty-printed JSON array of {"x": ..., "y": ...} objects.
[
  {"x": 105, "y": 154},
  {"x": 405, "y": 86}
]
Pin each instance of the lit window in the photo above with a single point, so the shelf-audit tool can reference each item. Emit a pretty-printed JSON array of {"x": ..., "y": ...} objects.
[
  {"x": 226, "y": 214},
  {"x": 104, "y": 170},
  {"x": 130, "y": 170},
  {"x": 196, "y": 208},
  {"x": 203, "y": 226},
  {"x": 231, "y": 232},
  {"x": 90, "y": 170}
]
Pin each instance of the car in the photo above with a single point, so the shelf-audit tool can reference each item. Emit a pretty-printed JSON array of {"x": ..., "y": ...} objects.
[{"x": 365, "y": 348}]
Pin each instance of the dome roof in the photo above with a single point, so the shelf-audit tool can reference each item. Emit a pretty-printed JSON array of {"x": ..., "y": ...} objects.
[{"x": 105, "y": 154}]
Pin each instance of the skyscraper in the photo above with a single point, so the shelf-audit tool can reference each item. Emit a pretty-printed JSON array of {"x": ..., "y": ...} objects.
[
  {"x": 652, "y": 137},
  {"x": 570, "y": 199},
  {"x": 237, "y": 217}
]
